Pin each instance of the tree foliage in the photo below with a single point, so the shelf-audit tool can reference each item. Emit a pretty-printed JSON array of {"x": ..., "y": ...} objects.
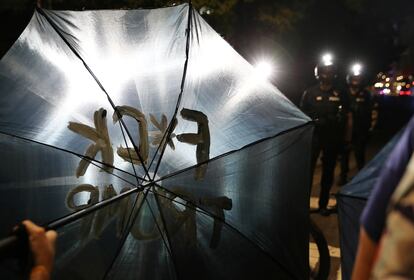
[{"x": 279, "y": 15}]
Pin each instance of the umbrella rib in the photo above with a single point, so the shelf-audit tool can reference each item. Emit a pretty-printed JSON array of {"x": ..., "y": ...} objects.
[
  {"x": 91, "y": 160},
  {"x": 171, "y": 126},
  {"x": 232, "y": 152},
  {"x": 166, "y": 244},
  {"x": 130, "y": 157},
  {"x": 55, "y": 224},
  {"x": 57, "y": 30},
  {"x": 129, "y": 224},
  {"x": 69, "y": 216},
  {"x": 116, "y": 176},
  {"x": 194, "y": 207},
  {"x": 166, "y": 232},
  {"x": 158, "y": 148}
]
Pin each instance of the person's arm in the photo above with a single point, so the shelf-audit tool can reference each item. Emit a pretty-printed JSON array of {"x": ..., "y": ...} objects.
[
  {"x": 374, "y": 213},
  {"x": 346, "y": 103},
  {"x": 304, "y": 105},
  {"x": 42, "y": 245},
  {"x": 365, "y": 256}
]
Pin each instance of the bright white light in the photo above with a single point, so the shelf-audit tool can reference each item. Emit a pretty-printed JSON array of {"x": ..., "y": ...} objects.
[
  {"x": 379, "y": 85},
  {"x": 212, "y": 56},
  {"x": 327, "y": 59},
  {"x": 387, "y": 91},
  {"x": 263, "y": 69},
  {"x": 398, "y": 88},
  {"x": 356, "y": 69}
]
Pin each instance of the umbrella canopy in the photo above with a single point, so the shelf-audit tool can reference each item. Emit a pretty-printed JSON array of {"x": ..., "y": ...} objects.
[
  {"x": 352, "y": 199},
  {"x": 207, "y": 164}
]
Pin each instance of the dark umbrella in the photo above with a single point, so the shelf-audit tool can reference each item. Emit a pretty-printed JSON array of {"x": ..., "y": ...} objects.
[{"x": 203, "y": 174}]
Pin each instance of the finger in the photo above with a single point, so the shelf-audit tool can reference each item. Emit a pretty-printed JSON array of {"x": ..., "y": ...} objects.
[
  {"x": 32, "y": 228},
  {"x": 51, "y": 235}
]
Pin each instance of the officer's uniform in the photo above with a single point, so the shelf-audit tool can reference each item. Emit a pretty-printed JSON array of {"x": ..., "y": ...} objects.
[
  {"x": 360, "y": 108},
  {"x": 328, "y": 109}
]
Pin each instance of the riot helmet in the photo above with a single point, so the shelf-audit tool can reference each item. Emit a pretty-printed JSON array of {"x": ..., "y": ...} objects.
[
  {"x": 325, "y": 70},
  {"x": 355, "y": 78}
]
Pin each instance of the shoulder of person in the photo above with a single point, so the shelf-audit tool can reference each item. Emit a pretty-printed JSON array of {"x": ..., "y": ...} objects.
[
  {"x": 311, "y": 92},
  {"x": 312, "y": 89}
]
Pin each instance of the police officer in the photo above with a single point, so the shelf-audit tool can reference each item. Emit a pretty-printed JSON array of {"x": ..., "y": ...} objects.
[
  {"x": 328, "y": 107},
  {"x": 360, "y": 104}
]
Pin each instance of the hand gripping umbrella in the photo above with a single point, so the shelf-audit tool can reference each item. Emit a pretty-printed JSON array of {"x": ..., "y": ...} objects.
[{"x": 203, "y": 172}]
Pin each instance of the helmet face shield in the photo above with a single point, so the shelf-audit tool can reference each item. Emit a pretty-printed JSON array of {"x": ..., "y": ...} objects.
[
  {"x": 355, "y": 78},
  {"x": 325, "y": 73}
]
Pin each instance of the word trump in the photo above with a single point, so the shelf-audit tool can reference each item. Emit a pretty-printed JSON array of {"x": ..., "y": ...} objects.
[{"x": 180, "y": 216}]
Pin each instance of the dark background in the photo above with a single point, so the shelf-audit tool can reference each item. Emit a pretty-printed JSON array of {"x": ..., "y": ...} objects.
[{"x": 291, "y": 34}]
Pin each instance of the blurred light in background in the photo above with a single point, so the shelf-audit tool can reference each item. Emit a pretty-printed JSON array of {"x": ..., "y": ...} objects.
[
  {"x": 264, "y": 69},
  {"x": 206, "y": 10}
]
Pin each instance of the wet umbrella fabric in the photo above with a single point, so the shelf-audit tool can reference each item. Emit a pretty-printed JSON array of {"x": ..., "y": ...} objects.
[{"x": 214, "y": 150}]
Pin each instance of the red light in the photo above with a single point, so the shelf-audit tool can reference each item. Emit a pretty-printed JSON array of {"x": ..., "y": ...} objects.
[{"x": 405, "y": 92}]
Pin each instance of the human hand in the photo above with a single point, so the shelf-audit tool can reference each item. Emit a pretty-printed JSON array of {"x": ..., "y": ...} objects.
[{"x": 42, "y": 245}]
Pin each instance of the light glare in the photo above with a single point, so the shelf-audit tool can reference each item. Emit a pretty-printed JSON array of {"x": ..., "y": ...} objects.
[
  {"x": 356, "y": 69},
  {"x": 264, "y": 69},
  {"x": 327, "y": 59}
]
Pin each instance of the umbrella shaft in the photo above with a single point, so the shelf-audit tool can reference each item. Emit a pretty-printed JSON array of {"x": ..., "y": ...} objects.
[{"x": 9, "y": 244}]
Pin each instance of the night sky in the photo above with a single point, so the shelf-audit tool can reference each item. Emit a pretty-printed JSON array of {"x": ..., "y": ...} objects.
[{"x": 378, "y": 33}]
